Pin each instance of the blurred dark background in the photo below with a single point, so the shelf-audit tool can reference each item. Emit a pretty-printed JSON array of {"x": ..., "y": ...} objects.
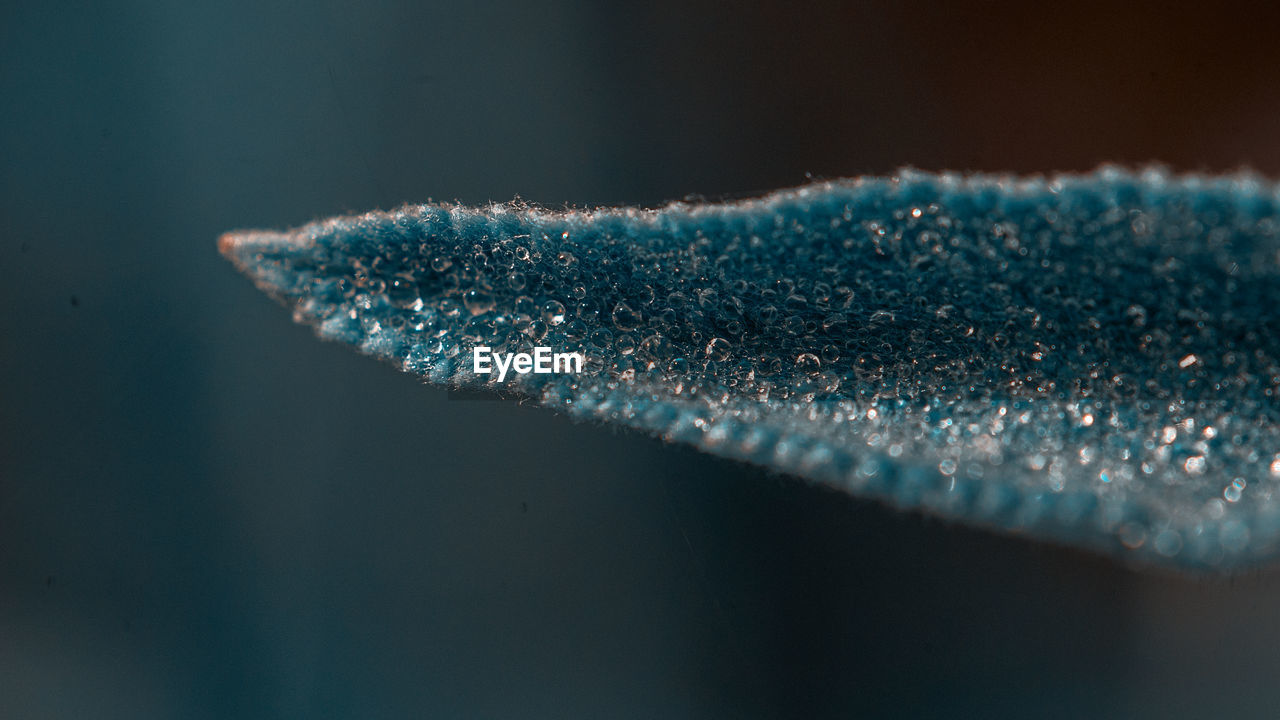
[{"x": 205, "y": 512}]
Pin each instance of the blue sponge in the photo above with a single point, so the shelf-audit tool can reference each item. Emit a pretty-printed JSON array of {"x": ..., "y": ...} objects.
[{"x": 1091, "y": 359}]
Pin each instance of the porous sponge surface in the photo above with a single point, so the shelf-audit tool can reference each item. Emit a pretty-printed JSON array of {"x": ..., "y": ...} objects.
[{"x": 1091, "y": 359}]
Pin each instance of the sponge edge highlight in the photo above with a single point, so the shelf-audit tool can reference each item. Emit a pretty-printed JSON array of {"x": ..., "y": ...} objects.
[{"x": 1090, "y": 359}]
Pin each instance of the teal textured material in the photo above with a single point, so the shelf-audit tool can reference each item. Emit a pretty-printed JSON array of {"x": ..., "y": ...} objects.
[{"x": 1090, "y": 359}]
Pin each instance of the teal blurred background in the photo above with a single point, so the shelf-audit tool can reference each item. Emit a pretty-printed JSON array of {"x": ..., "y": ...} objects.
[{"x": 205, "y": 512}]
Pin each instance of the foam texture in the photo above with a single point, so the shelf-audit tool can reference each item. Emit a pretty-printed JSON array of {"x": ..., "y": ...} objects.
[{"x": 1090, "y": 359}]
